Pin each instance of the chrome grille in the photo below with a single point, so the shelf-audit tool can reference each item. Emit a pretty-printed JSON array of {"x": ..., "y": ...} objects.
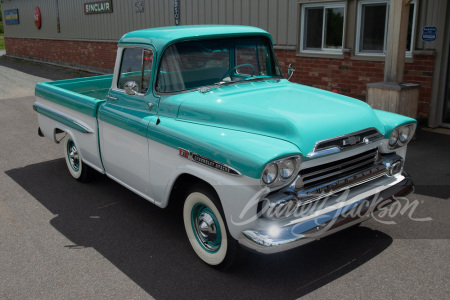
[{"x": 330, "y": 172}]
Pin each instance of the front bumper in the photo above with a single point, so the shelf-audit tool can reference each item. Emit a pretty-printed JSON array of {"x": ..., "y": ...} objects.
[{"x": 277, "y": 239}]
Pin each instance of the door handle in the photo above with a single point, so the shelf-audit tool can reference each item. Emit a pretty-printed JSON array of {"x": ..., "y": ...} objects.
[{"x": 111, "y": 98}]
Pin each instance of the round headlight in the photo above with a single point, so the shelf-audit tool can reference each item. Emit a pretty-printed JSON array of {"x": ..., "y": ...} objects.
[
  {"x": 287, "y": 168},
  {"x": 270, "y": 173},
  {"x": 404, "y": 134},
  {"x": 394, "y": 138}
]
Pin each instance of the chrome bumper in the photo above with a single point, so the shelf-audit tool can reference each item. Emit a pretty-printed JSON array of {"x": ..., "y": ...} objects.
[{"x": 292, "y": 236}]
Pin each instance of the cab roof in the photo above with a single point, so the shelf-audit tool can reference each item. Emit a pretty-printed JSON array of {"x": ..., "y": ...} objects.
[{"x": 163, "y": 36}]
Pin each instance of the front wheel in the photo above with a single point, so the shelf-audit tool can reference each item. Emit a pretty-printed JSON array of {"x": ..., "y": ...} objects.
[
  {"x": 206, "y": 229},
  {"x": 77, "y": 168}
]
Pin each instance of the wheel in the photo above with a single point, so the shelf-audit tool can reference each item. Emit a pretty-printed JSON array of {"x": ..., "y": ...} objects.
[
  {"x": 77, "y": 168},
  {"x": 206, "y": 229}
]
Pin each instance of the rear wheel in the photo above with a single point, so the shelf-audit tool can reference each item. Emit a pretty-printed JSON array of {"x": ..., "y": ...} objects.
[
  {"x": 77, "y": 168},
  {"x": 206, "y": 229}
]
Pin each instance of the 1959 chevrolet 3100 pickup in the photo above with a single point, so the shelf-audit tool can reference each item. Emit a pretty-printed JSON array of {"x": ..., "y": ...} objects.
[{"x": 202, "y": 115}]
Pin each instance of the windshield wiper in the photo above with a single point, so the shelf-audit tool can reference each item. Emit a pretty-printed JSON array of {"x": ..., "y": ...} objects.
[
  {"x": 259, "y": 77},
  {"x": 207, "y": 89}
]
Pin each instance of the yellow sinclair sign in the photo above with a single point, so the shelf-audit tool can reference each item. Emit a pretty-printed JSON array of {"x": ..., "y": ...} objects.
[
  {"x": 12, "y": 17},
  {"x": 98, "y": 7}
]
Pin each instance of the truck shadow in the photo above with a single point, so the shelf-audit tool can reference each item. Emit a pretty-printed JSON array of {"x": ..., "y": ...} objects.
[{"x": 148, "y": 244}]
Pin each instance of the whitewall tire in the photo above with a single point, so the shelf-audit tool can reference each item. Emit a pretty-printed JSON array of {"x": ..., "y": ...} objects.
[
  {"x": 75, "y": 165},
  {"x": 206, "y": 229}
]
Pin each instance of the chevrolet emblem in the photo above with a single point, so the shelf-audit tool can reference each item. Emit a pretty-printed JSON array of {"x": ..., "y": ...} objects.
[{"x": 351, "y": 141}]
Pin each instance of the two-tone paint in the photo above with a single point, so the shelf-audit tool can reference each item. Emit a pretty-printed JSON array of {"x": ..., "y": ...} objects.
[{"x": 242, "y": 126}]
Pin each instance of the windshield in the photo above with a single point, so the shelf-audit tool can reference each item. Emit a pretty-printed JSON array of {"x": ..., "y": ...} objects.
[{"x": 192, "y": 65}]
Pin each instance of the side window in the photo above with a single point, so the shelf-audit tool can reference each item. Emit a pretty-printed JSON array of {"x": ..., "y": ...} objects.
[
  {"x": 136, "y": 66},
  {"x": 253, "y": 57}
]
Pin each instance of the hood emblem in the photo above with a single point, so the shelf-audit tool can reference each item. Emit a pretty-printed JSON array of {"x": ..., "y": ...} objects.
[
  {"x": 339, "y": 143},
  {"x": 353, "y": 140}
]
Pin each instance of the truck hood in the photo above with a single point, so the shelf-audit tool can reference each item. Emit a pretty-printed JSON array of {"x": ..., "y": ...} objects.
[{"x": 299, "y": 114}]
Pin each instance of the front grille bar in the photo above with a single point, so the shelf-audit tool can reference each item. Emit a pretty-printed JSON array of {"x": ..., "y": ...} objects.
[
  {"x": 369, "y": 155},
  {"x": 333, "y": 174},
  {"x": 334, "y": 170}
]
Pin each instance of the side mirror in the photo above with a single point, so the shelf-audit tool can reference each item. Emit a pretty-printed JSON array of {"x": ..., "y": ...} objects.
[
  {"x": 291, "y": 71},
  {"x": 131, "y": 87}
]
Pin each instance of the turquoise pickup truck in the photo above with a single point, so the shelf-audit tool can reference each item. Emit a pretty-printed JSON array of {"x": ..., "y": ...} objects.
[{"x": 203, "y": 116}]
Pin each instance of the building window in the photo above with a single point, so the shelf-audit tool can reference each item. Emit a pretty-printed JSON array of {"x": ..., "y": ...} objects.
[
  {"x": 322, "y": 27},
  {"x": 372, "y": 27}
]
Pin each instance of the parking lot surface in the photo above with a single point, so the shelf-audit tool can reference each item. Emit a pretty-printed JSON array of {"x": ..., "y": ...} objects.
[{"x": 62, "y": 239}]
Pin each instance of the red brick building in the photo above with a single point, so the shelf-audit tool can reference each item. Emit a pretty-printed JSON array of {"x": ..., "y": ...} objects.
[{"x": 333, "y": 45}]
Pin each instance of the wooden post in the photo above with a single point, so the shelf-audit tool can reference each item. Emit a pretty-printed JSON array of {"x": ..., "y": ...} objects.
[
  {"x": 396, "y": 41},
  {"x": 393, "y": 95}
]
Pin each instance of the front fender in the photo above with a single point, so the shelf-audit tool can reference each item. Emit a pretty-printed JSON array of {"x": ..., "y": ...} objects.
[
  {"x": 246, "y": 152},
  {"x": 392, "y": 120}
]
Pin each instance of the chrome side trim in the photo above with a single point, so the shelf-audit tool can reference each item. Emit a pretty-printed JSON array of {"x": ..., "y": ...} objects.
[
  {"x": 208, "y": 162},
  {"x": 353, "y": 139},
  {"x": 62, "y": 118}
]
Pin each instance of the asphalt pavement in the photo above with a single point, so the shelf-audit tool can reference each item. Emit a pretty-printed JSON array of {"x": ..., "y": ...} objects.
[{"x": 60, "y": 239}]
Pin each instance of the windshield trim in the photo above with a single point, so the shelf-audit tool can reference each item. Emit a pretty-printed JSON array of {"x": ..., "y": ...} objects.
[{"x": 209, "y": 87}]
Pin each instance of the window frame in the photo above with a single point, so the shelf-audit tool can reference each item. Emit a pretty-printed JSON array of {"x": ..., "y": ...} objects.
[
  {"x": 359, "y": 27},
  {"x": 324, "y": 6},
  {"x": 119, "y": 68}
]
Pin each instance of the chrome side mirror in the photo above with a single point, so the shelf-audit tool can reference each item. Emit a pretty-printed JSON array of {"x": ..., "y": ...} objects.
[
  {"x": 291, "y": 71},
  {"x": 131, "y": 87}
]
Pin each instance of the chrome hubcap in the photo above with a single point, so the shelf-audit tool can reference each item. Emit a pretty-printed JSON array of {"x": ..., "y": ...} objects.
[
  {"x": 74, "y": 157},
  {"x": 206, "y": 228}
]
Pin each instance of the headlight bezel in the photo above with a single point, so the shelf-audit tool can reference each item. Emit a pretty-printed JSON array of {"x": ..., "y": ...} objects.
[
  {"x": 399, "y": 130},
  {"x": 280, "y": 180},
  {"x": 393, "y": 137},
  {"x": 400, "y": 134},
  {"x": 266, "y": 173}
]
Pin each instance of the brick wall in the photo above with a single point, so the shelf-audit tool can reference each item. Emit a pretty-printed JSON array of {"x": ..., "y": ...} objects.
[
  {"x": 99, "y": 55},
  {"x": 350, "y": 77}
]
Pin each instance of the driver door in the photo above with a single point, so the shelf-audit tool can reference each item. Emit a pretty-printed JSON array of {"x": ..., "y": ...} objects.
[{"x": 124, "y": 120}]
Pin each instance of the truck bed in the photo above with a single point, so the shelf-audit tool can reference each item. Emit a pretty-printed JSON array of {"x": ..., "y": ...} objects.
[
  {"x": 71, "y": 106},
  {"x": 81, "y": 94}
]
